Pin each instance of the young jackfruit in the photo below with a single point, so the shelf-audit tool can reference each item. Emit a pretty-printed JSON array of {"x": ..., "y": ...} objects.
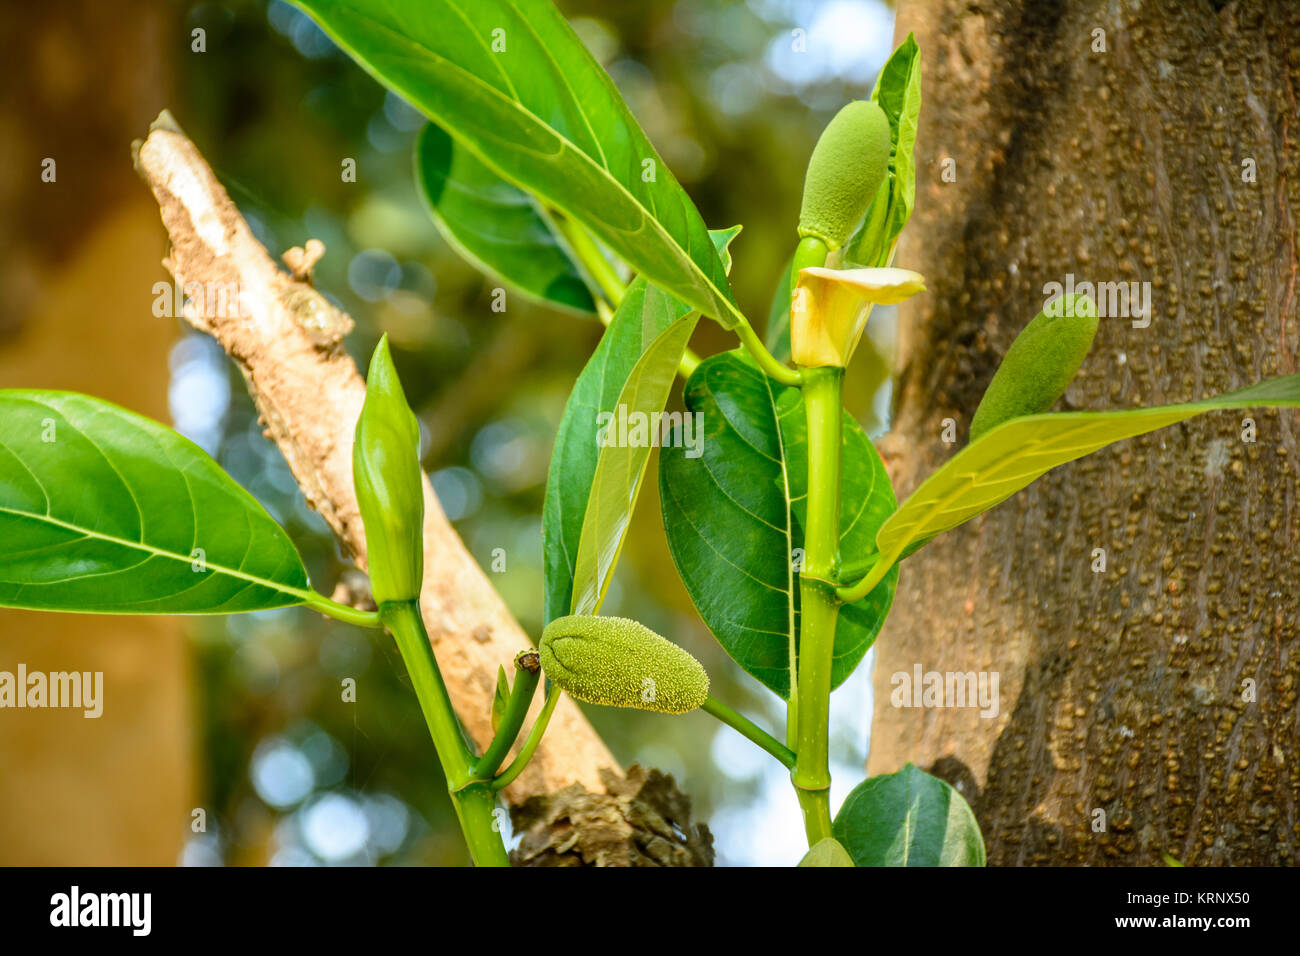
[
  {"x": 844, "y": 172},
  {"x": 617, "y": 662},
  {"x": 1039, "y": 365}
]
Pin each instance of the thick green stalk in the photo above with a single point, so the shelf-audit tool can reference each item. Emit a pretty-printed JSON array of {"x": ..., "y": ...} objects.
[
  {"x": 474, "y": 802},
  {"x": 819, "y": 607},
  {"x": 477, "y": 810}
]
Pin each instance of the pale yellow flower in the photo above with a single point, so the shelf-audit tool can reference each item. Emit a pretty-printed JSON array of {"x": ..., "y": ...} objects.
[{"x": 829, "y": 310}]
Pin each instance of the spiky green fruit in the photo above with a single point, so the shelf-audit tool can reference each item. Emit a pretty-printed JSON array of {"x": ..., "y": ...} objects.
[
  {"x": 846, "y": 168},
  {"x": 617, "y": 662},
  {"x": 1039, "y": 365}
]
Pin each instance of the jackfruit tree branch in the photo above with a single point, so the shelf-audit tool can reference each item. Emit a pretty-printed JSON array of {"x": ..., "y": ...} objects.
[{"x": 286, "y": 338}]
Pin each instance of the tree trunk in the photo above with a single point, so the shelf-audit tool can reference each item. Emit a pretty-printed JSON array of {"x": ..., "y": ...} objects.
[
  {"x": 79, "y": 255},
  {"x": 1161, "y": 691}
]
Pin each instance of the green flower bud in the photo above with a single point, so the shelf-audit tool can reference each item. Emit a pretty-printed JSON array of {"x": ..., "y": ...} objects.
[
  {"x": 1040, "y": 363},
  {"x": 389, "y": 484},
  {"x": 619, "y": 663},
  {"x": 846, "y": 168}
]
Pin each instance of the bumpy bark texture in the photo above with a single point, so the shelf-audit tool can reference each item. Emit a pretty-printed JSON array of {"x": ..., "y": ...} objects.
[
  {"x": 1163, "y": 690},
  {"x": 641, "y": 820}
]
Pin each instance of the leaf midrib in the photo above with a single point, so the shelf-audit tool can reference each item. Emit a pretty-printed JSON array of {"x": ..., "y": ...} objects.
[{"x": 157, "y": 552}]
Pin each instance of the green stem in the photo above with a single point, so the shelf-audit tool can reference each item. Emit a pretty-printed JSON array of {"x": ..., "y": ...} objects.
[
  {"x": 593, "y": 260},
  {"x": 476, "y": 809},
  {"x": 690, "y": 361},
  {"x": 748, "y": 728},
  {"x": 507, "y": 776},
  {"x": 816, "y": 807},
  {"x": 810, "y": 253},
  {"x": 819, "y": 607},
  {"x": 340, "y": 612},
  {"x": 474, "y": 802},
  {"x": 853, "y": 593},
  {"x": 521, "y": 696},
  {"x": 766, "y": 360}
]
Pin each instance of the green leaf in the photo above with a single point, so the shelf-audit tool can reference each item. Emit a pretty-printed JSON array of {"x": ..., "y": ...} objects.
[
  {"x": 500, "y": 699},
  {"x": 494, "y": 225},
  {"x": 645, "y": 317},
  {"x": 1020, "y": 451},
  {"x": 827, "y": 852},
  {"x": 102, "y": 510},
  {"x": 908, "y": 818},
  {"x": 625, "y": 443},
  {"x": 633, "y": 366},
  {"x": 898, "y": 91},
  {"x": 722, "y": 240},
  {"x": 732, "y": 519},
  {"x": 512, "y": 82}
]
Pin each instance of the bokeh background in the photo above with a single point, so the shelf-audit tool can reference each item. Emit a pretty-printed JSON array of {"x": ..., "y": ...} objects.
[{"x": 225, "y": 740}]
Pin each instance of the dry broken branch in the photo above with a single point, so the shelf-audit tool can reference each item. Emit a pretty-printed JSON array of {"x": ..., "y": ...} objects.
[{"x": 286, "y": 339}]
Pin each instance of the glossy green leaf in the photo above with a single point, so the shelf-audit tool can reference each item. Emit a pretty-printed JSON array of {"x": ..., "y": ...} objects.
[
  {"x": 1018, "y": 452},
  {"x": 722, "y": 240},
  {"x": 646, "y": 316},
  {"x": 632, "y": 367},
  {"x": 629, "y": 432},
  {"x": 908, "y": 818},
  {"x": 496, "y": 226},
  {"x": 732, "y": 519},
  {"x": 102, "y": 510},
  {"x": 898, "y": 91},
  {"x": 827, "y": 852},
  {"x": 512, "y": 82}
]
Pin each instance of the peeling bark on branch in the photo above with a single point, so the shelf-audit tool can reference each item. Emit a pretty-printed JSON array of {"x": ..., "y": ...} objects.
[{"x": 308, "y": 392}]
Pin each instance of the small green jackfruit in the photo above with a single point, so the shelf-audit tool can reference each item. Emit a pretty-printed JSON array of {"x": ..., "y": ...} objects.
[
  {"x": 847, "y": 166},
  {"x": 1039, "y": 365},
  {"x": 617, "y": 662}
]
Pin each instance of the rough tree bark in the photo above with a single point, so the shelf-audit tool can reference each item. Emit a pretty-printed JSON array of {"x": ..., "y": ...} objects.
[{"x": 1126, "y": 691}]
